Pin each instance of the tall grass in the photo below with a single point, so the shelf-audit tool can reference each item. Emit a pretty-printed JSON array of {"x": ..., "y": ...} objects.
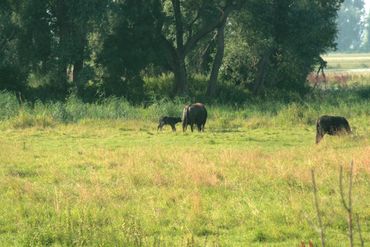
[{"x": 350, "y": 103}]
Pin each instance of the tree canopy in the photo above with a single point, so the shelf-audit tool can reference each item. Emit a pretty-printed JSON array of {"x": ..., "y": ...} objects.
[
  {"x": 98, "y": 48},
  {"x": 351, "y": 25}
]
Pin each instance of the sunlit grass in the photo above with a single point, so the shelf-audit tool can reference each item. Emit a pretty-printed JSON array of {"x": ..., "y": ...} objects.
[
  {"x": 343, "y": 61},
  {"x": 99, "y": 174},
  {"x": 120, "y": 182}
]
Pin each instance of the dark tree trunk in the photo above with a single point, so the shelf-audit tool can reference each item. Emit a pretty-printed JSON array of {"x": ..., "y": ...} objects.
[
  {"x": 77, "y": 67},
  {"x": 176, "y": 55},
  {"x": 78, "y": 61},
  {"x": 205, "y": 59},
  {"x": 262, "y": 70},
  {"x": 64, "y": 32},
  {"x": 181, "y": 82},
  {"x": 220, "y": 44}
]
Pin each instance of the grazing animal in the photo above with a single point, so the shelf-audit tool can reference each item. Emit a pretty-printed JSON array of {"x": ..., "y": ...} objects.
[
  {"x": 194, "y": 114},
  {"x": 168, "y": 121},
  {"x": 332, "y": 125}
]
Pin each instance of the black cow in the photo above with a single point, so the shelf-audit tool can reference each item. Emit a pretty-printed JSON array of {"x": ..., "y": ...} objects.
[
  {"x": 168, "y": 121},
  {"x": 194, "y": 114},
  {"x": 332, "y": 125}
]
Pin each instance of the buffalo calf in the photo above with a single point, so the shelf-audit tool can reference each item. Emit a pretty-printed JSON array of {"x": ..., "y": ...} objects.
[
  {"x": 331, "y": 125},
  {"x": 172, "y": 121}
]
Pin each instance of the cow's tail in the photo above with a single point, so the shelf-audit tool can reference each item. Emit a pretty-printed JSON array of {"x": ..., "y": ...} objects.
[{"x": 205, "y": 119}]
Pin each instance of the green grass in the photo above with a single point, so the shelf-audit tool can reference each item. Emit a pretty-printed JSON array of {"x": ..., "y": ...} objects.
[{"x": 75, "y": 174}]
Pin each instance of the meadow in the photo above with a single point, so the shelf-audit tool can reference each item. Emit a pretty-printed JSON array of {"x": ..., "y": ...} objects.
[
  {"x": 347, "y": 61},
  {"x": 99, "y": 174}
]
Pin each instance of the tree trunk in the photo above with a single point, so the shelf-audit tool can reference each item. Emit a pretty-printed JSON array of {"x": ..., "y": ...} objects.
[
  {"x": 181, "y": 84},
  {"x": 205, "y": 58},
  {"x": 78, "y": 59},
  {"x": 64, "y": 30},
  {"x": 178, "y": 53},
  {"x": 181, "y": 81},
  {"x": 77, "y": 67},
  {"x": 220, "y": 42},
  {"x": 262, "y": 69}
]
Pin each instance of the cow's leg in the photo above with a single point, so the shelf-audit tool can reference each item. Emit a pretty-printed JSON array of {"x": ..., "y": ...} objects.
[
  {"x": 192, "y": 127},
  {"x": 319, "y": 136},
  {"x": 173, "y": 127},
  {"x": 348, "y": 129},
  {"x": 199, "y": 126}
]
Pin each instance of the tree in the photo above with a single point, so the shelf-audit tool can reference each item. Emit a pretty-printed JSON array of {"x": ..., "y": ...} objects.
[
  {"x": 351, "y": 25},
  {"x": 279, "y": 42},
  {"x": 184, "y": 25},
  {"x": 220, "y": 49},
  {"x": 106, "y": 46},
  {"x": 48, "y": 39},
  {"x": 71, "y": 24},
  {"x": 366, "y": 45},
  {"x": 14, "y": 68},
  {"x": 130, "y": 45}
]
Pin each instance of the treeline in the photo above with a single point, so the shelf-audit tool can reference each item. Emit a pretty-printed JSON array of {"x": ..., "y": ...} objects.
[
  {"x": 139, "y": 49},
  {"x": 353, "y": 27}
]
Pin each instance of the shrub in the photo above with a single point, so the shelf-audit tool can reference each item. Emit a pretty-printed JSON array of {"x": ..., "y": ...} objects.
[
  {"x": 9, "y": 105},
  {"x": 159, "y": 87},
  {"x": 26, "y": 120},
  {"x": 166, "y": 107}
]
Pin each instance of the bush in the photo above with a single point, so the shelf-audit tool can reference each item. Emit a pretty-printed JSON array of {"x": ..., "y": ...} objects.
[
  {"x": 166, "y": 107},
  {"x": 159, "y": 87},
  {"x": 9, "y": 105},
  {"x": 25, "y": 120}
]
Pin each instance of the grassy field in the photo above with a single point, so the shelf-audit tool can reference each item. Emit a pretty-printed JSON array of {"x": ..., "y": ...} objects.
[
  {"x": 343, "y": 61},
  {"x": 76, "y": 174},
  {"x": 343, "y": 70}
]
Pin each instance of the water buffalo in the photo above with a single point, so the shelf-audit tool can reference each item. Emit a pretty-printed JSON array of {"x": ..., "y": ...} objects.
[
  {"x": 331, "y": 125},
  {"x": 172, "y": 121},
  {"x": 194, "y": 114}
]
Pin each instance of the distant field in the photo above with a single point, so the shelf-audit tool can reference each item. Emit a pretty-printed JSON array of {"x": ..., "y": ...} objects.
[
  {"x": 353, "y": 62},
  {"x": 344, "y": 70},
  {"x": 101, "y": 175}
]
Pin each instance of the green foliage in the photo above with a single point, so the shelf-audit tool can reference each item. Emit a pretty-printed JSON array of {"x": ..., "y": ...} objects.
[
  {"x": 130, "y": 47},
  {"x": 282, "y": 110},
  {"x": 162, "y": 87},
  {"x": 239, "y": 66},
  {"x": 165, "y": 107},
  {"x": 273, "y": 45},
  {"x": 198, "y": 86},
  {"x": 159, "y": 86},
  {"x": 9, "y": 105},
  {"x": 98, "y": 49}
]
